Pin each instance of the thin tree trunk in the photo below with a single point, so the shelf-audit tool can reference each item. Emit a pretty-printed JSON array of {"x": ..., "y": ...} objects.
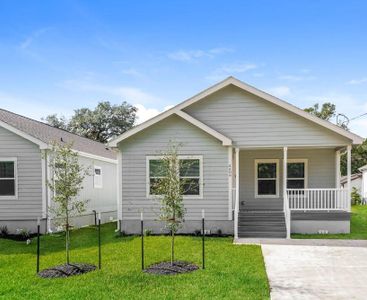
[
  {"x": 67, "y": 237},
  {"x": 172, "y": 247}
]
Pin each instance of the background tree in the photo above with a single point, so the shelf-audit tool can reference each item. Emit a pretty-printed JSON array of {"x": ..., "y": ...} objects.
[
  {"x": 66, "y": 183},
  {"x": 326, "y": 112},
  {"x": 99, "y": 124},
  {"x": 359, "y": 152},
  {"x": 170, "y": 189}
]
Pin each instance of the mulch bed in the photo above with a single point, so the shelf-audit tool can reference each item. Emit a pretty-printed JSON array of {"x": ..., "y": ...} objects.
[
  {"x": 66, "y": 270},
  {"x": 165, "y": 268},
  {"x": 18, "y": 237}
]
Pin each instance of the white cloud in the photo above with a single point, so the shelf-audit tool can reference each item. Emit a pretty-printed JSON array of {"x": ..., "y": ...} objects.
[
  {"x": 27, "y": 42},
  {"x": 191, "y": 55},
  {"x": 230, "y": 69},
  {"x": 280, "y": 91},
  {"x": 132, "y": 72},
  {"x": 357, "y": 81},
  {"x": 29, "y": 107},
  {"x": 296, "y": 77},
  {"x": 144, "y": 113},
  {"x": 130, "y": 94}
]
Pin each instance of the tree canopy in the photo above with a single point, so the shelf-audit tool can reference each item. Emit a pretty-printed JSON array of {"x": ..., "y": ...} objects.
[
  {"x": 359, "y": 152},
  {"x": 99, "y": 124}
]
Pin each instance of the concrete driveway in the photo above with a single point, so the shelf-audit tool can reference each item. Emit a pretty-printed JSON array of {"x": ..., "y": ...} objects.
[{"x": 316, "y": 272}]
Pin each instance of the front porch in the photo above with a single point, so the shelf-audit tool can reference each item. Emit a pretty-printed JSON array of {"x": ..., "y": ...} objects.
[{"x": 276, "y": 191}]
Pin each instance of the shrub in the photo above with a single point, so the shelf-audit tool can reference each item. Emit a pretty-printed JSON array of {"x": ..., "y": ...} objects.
[
  {"x": 147, "y": 232},
  {"x": 24, "y": 233},
  {"x": 356, "y": 196},
  {"x": 4, "y": 231}
]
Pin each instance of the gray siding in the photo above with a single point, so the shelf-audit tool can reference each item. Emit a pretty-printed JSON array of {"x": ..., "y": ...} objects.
[
  {"x": 320, "y": 216},
  {"x": 100, "y": 199},
  {"x": 321, "y": 174},
  {"x": 251, "y": 121},
  {"x": 29, "y": 202},
  {"x": 153, "y": 141}
]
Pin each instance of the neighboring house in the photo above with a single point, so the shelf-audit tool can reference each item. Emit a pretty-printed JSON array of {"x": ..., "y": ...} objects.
[
  {"x": 363, "y": 170},
  {"x": 356, "y": 182},
  {"x": 24, "y": 158},
  {"x": 261, "y": 166}
]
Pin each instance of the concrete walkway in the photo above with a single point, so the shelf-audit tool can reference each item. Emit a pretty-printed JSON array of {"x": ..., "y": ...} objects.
[
  {"x": 316, "y": 271},
  {"x": 304, "y": 242}
]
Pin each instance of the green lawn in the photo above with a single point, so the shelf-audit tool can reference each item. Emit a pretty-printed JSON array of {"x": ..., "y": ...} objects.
[
  {"x": 232, "y": 272},
  {"x": 358, "y": 227}
]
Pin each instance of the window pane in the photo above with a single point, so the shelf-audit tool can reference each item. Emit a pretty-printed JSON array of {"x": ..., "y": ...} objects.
[
  {"x": 97, "y": 171},
  {"x": 190, "y": 186},
  {"x": 7, "y": 187},
  {"x": 154, "y": 185},
  {"x": 266, "y": 187},
  {"x": 190, "y": 167},
  {"x": 296, "y": 184},
  {"x": 296, "y": 170},
  {"x": 157, "y": 168},
  {"x": 267, "y": 170},
  {"x": 6, "y": 169}
]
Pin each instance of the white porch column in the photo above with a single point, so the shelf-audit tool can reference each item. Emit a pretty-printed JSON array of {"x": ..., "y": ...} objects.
[
  {"x": 285, "y": 198},
  {"x": 337, "y": 169},
  {"x": 230, "y": 194},
  {"x": 237, "y": 204},
  {"x": 349, "y": 174}
]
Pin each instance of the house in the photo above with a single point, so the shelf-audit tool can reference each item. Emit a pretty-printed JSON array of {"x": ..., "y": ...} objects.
[
  {"x": 261, "y": 166},
  {"x": 355, "y": 181},
  {"x": 363, "y": 170},
  {"x": 24, "y": 172}
]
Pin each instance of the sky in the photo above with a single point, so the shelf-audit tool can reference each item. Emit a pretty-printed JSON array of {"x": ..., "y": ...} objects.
[{"x": 57, "y": 56}]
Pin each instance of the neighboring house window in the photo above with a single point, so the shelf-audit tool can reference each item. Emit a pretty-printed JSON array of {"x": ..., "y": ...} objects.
[
  {"x": 98, "y": 182},
  {"x": 8, "y": 178},
  {"x": 190, "y": 171},
  {"x": 297, "y": 174},
  {"x": 266, "y": 181}
]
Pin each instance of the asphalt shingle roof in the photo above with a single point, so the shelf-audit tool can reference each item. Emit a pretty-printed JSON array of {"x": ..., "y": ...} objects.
[{"x": 48, "y": 134}]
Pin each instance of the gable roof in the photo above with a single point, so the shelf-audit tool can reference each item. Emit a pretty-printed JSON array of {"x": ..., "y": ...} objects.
[
  {"x": 43, "y": 135},
  {"x": 355, "y": 139}
]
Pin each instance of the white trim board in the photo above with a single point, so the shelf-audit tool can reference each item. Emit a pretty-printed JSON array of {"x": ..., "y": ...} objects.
[{"x": 248, "y": 88}]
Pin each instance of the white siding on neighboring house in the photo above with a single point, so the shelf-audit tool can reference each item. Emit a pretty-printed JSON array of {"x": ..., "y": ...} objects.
[
  {"x": 194, "y": 141},
  {"x": 28, "y": 204},
  {"x": 251, "y": 121},
  {"x": 102, "y": 198}
]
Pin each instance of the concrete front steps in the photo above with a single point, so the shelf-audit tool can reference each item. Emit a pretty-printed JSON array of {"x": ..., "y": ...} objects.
[{"x": 261, "y": 224}]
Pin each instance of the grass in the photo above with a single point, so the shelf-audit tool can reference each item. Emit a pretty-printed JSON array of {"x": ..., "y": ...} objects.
[
  {"x": 358, "y": 227},
  {"x": 232, "y": 271}
]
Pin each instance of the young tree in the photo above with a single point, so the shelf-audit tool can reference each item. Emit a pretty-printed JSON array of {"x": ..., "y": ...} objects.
[
  {"x": 170, "y": 189},
  {"x": 326, "y": 112},
  {"x": 66, "y": 183},
  {"x": 99, "y": 124}
]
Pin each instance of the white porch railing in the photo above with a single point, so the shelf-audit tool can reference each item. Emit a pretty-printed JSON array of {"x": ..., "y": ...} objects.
[{"x": 318, "y": 199}]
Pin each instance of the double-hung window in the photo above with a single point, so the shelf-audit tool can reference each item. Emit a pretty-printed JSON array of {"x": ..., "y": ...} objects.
[
  {"x": 8, "y": 178},
  {"x": 266, "y": 178},
  {"x": 297, "y": 173},
  {"x": 189, "y": 170}
]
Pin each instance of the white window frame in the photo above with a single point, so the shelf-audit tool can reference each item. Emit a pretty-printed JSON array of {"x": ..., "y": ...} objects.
[
  {"x": 201, "y": 178},
  {"x": 15, "y": 161},
  {"x": 266, "y": 160},
  {"x": 299, "y": 160},
  {"x": 97, "y": 186}
]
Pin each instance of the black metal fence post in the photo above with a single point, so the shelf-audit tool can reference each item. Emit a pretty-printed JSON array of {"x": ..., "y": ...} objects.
[
  {"x": 203, "y": 237},
  {"x": 142, "y": 240},
  {"x": 38, "y": 244},
  {"x": 95, "y": 217},
  {"x": 99, "y": 241}
]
